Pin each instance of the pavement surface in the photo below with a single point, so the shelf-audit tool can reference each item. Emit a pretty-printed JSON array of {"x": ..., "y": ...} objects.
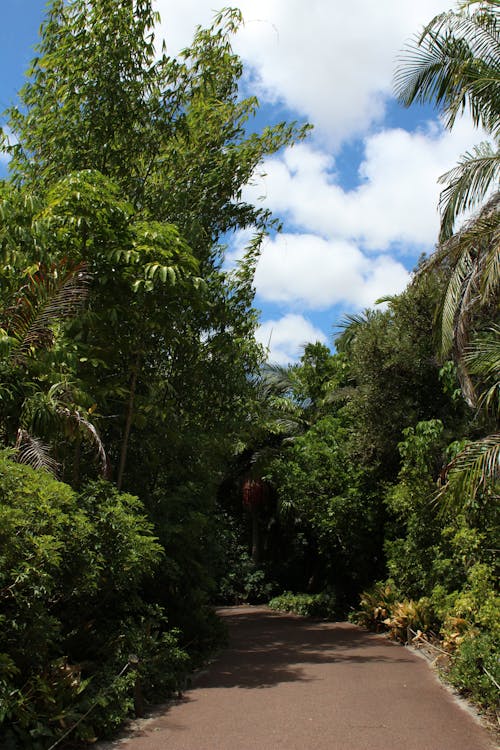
[{"x": 288, "y": 682}]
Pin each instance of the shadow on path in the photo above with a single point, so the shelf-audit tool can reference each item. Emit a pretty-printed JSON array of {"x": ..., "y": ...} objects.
[
  {"x": 287, "y": 683},
  {"x": 267, "y": 648}
]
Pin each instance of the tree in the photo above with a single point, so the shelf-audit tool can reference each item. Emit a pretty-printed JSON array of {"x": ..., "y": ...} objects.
[
  {"x": 135, "y": 165},
  {"x": 454, "y": 63},
  {"x": 163, "y": 150}
]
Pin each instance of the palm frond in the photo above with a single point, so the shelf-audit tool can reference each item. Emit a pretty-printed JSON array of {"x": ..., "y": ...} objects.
[
  {"x": 51, "y": 295},
  {"x": 51, "y": 411},
  {"x": 491, "y": 277},
  {"x": 482, "y": 359},
  {"x": 277, "y": 380},
  {"x": 350, "y": 325},
  {"x": 33, "y": 452},
  {"x": 483, "y": 354},
  {"x": 467, "y": 184},
  {"x": 91, "y": 433},
  {"x": 456, "y": 304},
  {"x": 454, "y": 63},
  {"x": 476, "y": 468},
  {"x": 338, "y": 395}
]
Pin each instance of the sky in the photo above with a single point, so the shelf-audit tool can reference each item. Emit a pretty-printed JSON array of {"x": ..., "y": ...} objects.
[{"x": 358, "y": 199}]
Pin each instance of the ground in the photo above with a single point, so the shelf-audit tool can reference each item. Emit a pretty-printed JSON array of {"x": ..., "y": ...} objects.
[{"x": 288, "y": 682}]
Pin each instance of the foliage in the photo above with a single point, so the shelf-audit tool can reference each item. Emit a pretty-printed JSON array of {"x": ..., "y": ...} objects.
[
  {"x": 318, "y": 493},
  {"x": 127, "y": 350},
  {"x": 454, "y": 64},
  {"x": 393, "y": 377},
  {"x": 474, "y": 669},
  {"x": 123, "y": 336},
  {"x": 71, "y": 572},
  {"x": 375, "y": 604},
  {"x": 322, "y": 605},
  {"x": 244, "y": 582},
  {"x": 238, "y": 578}
]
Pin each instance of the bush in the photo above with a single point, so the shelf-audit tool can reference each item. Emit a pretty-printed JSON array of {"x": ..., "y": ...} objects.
[
  {"x": 71, "y": 612},
  {"x": 375, "y": 606},
  {"x": 238, "y": 578},
  {"x": 308, "y": 605},
  {"x": 245, "y": 582},
  {"x": 475, "y": 667}
]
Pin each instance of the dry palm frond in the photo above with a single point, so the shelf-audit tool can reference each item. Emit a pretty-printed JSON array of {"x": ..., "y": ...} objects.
[
  {"x": 55, "y": 410},
  {"x": 91, "y": 433},
  {"x": 33, "y": 452}
]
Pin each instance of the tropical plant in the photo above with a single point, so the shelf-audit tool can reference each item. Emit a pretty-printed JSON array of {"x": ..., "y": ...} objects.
[
  {"x": 454, "y": 63},
  {"x": 321, "y": 605},
  {"x": 72, "y": 567}
]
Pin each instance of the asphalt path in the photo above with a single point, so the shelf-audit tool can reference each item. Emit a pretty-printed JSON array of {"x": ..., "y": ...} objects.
[{"x": 288, "y": 682}]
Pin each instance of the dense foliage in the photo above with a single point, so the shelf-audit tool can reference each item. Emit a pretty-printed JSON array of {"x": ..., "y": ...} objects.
[
  {"x": 151, "y": 465},
  {"x": 127, "y": 353},
  {"x": 73, "y": 566}
]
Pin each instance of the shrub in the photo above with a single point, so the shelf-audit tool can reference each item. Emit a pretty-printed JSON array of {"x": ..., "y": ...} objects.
[
  {"x": 475, "y": 668},
  {"x": 375, "y": 606},
  {"x": 71, "y": 612},
  {"x": 244, "y": 582},
  {"x": 407, "y": 615},
  {"x": 308, "y": 605}
]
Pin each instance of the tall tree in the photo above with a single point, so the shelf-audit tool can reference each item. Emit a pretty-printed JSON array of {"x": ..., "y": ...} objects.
[
  {"x": 170, "y": 137},
  {"x": 455, "y": 64}
]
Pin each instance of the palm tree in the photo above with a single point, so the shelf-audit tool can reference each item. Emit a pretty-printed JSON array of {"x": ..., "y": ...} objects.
[
  {"x": 455, "y": 64},
  {"x": 29, "y": 323},
  {"x": 471, "y": 258}
]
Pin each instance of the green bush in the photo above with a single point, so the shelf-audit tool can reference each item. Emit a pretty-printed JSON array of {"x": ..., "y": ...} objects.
[
  {"x": 237, "y": 577},
  {"x": 309, "y": 605},
  {"x": 71, "y": 612},
  {"x": 475, "y": 668},
  {"x": 244, "y": 582}
]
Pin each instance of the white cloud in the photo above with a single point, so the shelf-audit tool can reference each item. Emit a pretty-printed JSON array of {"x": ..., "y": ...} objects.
[
  {"x": 334, "y": 65},
  {"x": 321, "y": 59},
  {"x": 396, "y": 198},
  {"x": 287, "y": 336},
  {"x": 308, "y": 271}
]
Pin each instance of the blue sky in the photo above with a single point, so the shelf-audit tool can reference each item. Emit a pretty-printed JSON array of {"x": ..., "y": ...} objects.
[{"x": 358, "y": 199}]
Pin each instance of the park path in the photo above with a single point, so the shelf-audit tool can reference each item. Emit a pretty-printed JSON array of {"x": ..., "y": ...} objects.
[{"x": 288, "y": 682}]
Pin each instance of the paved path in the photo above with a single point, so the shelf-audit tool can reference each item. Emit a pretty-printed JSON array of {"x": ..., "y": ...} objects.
[{"x": 286, "y": 682}]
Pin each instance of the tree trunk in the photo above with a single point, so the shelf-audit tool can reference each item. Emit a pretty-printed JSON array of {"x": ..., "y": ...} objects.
[
  {"x": 128, "y": 423},
  {"x": 255, "y": 535}
]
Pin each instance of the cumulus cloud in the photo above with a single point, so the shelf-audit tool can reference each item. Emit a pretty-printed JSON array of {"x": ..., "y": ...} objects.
[
  {"x": 397, "y": 194},
  {"x": 308, "y": 271},
  {"x": 349, "y": 238},
  {"x": 286, "y": 337},
  {"x": 321, "y": 59}
]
